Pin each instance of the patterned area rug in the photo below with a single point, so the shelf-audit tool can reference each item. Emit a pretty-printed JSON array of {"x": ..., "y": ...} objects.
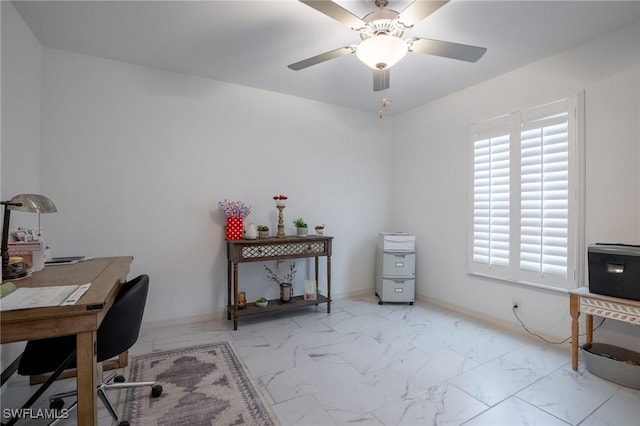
[{"x": 202, "y": 385}]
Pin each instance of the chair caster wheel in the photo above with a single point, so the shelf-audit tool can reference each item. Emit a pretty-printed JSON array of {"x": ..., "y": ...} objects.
[
  {"x": 119, "y": 379},
  {"x": 123, "y": 423},
  {"x": 379, "y": 302},
  {"x": 156, "y": 391},
  {"x": 56, "y": 404}
]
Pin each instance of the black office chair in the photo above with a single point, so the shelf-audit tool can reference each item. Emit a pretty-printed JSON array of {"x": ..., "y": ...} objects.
[{"x": 117, "y": 333}]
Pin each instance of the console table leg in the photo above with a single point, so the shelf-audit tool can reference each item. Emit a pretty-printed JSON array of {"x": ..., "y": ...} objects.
[
  {"x": 329, "y": 284},
  {"x": 228, "y": 289},
  {"x": 574, "y": 309},
  {"x": 235, "y": 296},
  {"x": 589, "y": 327},
  {"x": 316, "y": 266}
]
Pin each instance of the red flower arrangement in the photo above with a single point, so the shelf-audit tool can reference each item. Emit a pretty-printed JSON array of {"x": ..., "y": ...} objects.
[{"x": 280, "y": 199}]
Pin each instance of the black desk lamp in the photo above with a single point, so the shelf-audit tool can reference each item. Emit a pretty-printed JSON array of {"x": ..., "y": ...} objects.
[{"x": 33, "y": 203}]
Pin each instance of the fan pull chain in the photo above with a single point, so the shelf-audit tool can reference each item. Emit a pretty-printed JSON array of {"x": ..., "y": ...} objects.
[{"x": 383, "y": 103}]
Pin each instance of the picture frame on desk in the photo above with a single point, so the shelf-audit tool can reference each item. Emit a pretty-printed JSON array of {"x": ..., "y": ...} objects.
[{"x": 310, "y": 291}]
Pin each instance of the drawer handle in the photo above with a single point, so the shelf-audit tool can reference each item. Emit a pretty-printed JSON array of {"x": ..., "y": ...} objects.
[
  {"x": 615, "y": 268},
  {"x": 399, "y": 264}
]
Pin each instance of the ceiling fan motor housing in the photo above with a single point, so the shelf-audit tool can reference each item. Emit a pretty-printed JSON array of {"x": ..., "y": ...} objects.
[
  {"x": 381, "y": 21},
  {"x": 381, "y": 39}
]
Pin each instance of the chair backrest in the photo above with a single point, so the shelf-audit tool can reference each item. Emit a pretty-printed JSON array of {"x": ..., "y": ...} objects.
[{"x": 120, "y": 327}]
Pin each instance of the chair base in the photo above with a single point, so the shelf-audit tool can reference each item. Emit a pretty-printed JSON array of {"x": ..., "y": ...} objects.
[{"x": 56, "y": 401}]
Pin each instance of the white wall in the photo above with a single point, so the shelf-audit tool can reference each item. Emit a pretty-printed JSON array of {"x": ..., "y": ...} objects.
[
  {"x": 432, "y": 171},
  {"x": 20, "y": 135},
  {"x": 136, "y": 159},
  {"x": 21, "y": 91}
]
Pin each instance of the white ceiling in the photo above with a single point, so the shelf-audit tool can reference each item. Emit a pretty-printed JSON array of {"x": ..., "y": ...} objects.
[{"x": 252, "y": 42}]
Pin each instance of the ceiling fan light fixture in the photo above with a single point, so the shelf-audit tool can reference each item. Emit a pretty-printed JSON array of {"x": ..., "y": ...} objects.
[{"x": 382, "y": 51}]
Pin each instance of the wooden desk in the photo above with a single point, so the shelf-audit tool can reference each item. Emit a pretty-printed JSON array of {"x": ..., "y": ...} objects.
[
  {"x": 580, "y": 300},
  {"x": 82, "y": 319},
  {"x": 261, "y": 250}
]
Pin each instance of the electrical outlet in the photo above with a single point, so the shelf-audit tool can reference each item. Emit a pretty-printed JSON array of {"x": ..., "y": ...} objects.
[{"x": 516, "y": 304}]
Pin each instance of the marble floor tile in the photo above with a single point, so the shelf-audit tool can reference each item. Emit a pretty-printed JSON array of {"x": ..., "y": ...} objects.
[
  {"x": 540, "y": 357},
  {"x": 302, "y": 411},
  {"x": 354, "y": 324},
  {"x": 495, "y": 380},
  {"x": 427, "y": 369},
  {"x": 439, "y": 405},
  {"x": 622, "y": 409},
  {"x": 362, "y": 308},
  {"x": 377, "y": 357},
  {"x": 486, "y": 346},
  {"x": 447, "y": 333},
  {"x": 515, "y": 412},
  {"x": 290, "y": 383},
  {"x": 348, "y": 343},
  {"x": 252, "y": 346},
  {"x": 274, "y": 361},
  {"x": 569, "y": 395},
  {"x": 417, "y": 318},
  {"x": 354, "y": 399}
]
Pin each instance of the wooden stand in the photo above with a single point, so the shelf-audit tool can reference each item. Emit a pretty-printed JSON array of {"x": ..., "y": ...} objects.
[
  {"x": 580, "y": 300},
  {"x": 240, "y": 251}
]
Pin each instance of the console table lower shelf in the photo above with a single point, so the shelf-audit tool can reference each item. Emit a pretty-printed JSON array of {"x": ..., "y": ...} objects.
[
  {"x": 274, "y": 305},
  {"x": 275, "y": 249}
]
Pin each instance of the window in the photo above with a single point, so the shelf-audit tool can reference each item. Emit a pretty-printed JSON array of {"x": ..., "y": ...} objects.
[{"x": 524, "y": 213}]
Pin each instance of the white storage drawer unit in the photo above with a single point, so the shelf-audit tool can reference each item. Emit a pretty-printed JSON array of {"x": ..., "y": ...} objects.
[
  {"x": 397, "y": 241},
  {"x": 397, "y": 290},
  {"x": 399, "y": 264},
  {"x": 396, "y": 268}
]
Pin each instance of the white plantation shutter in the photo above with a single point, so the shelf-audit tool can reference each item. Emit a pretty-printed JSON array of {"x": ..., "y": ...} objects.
[
  {"x": 544, "y": 192},
  {"x": 524, "y": 204},
  {"x": 491, "y": 197}
]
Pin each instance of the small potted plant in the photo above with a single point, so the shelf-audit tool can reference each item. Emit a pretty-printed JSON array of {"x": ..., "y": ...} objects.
[
  {"x": 319, "y": 229},
  {"x": 301, "y": 227},
  {"x": 285, "y": 282},
  {"x": 262, "y": 302},
  {"x": 263, "y": 231}
]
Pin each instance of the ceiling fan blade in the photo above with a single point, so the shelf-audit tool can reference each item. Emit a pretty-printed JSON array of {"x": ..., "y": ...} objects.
[
  {"x": 418, "y": 10},
  {"x": 335, "y": 11},
  {"x": 332, "y": 54},
  {"x": 381, "y": 80},
  {"x": 447, "y": 49}
]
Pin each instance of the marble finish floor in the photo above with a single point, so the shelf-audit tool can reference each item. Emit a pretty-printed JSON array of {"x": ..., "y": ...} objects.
[{"x": 397, "y": 364}]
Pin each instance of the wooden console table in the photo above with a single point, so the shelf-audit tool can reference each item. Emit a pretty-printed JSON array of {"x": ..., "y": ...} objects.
[
  {"x": 580, "y": 300},
  {"x": 261, "y": 250}
]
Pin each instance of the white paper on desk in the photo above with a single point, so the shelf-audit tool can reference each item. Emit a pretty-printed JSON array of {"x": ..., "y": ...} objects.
[
  {"x": 36, "y": 297},
  {"x": 73, "y": 297}
]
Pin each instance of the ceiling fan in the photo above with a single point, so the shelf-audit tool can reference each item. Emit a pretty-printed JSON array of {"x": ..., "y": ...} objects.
[{"x": 381, "y": 32}]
